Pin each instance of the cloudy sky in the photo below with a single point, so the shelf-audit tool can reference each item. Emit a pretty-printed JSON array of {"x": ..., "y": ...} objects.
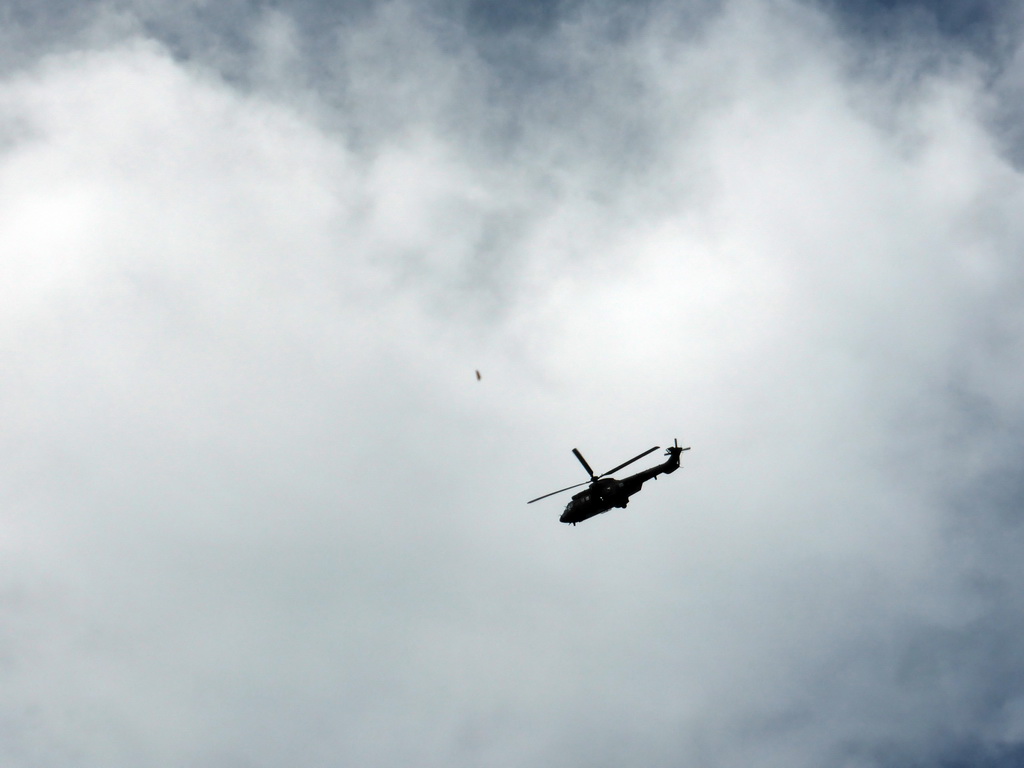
[{"x": 256, "y": 509}]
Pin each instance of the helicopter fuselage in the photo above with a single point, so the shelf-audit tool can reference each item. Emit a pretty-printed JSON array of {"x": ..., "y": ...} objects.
[{"x": 608, "y": 493}]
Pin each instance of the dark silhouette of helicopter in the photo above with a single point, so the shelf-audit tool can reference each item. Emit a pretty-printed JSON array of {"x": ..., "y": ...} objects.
[{"x": 607, "y": 492}]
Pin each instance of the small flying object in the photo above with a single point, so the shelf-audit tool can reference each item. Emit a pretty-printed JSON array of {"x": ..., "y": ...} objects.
[{"x": 607, "y": 492}]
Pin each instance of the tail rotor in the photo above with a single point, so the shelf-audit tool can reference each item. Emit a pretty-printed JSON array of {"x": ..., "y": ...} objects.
[{"x": 675, "y": 450}]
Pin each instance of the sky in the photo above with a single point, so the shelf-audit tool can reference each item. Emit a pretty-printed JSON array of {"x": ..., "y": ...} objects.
[{"x": 256, "y": 509}]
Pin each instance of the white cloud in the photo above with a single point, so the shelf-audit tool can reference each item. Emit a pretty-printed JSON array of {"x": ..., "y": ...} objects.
[{"x": 258, "y": 508}]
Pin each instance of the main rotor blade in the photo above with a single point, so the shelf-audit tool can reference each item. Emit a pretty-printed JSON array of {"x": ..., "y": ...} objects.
[
  {"x": 583, "y": 462},
  {"x": 635, "y": 458},
  {"x": 554, "y": 492}
]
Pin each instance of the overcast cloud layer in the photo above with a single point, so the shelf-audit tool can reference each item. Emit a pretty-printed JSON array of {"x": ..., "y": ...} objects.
[{"x": 256, "y": 509}]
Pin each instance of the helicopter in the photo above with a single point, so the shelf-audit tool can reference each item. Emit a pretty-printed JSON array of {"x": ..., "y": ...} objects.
[{"x": 606, "y": 492}]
